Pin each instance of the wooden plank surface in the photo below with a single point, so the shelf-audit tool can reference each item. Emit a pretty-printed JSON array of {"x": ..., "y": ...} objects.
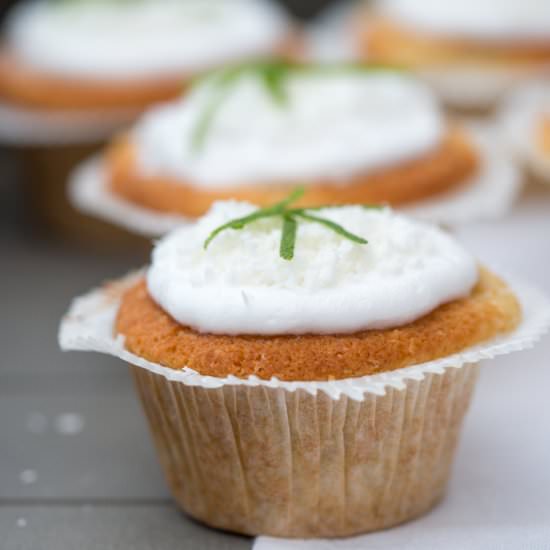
[
  {"x": 108, "y": 527},
  {"x": 77, "y": 468}
]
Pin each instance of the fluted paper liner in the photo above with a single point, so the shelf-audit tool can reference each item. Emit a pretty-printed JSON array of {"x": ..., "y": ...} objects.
[
  {"x": 302, "y": 459},
  {"x": 262, "y": 460},
  {"x": 517, "y": 120},
  {"x": 489, "y": 195},
  {"x": 89, "y": 193},
  {"x": 477, "y": 86},
  {"x": 24, "y": 126}
]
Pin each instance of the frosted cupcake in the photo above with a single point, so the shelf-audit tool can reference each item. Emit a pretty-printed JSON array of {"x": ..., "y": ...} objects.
[
  {"x": 89, "y": 54},
  {"x": 350, "y": 133},
  {"x": 525, "y": 122},
  {"x": 291, "y": 362},
  {"x": 472, "y": 51}
]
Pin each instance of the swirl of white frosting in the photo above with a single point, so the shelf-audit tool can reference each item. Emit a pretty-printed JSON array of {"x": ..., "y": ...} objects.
[
  {"x": 240, "y": 285},
  {"x": 142, "y": 38},
  {"x": 335, "y": 124},
  {"x": 476, "y": 19}
]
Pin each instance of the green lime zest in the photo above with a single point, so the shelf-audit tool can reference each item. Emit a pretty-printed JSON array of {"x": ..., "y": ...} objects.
[{"x": 290, "y": 218}]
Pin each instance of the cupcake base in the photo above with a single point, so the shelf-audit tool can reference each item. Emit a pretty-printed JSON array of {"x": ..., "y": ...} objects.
[
  {"x": 264, "y": 460},
  {"x": 488, "y": 195}
]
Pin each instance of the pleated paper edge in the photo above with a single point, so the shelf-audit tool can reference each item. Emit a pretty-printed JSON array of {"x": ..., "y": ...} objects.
[
  {"x": 490, "y": 194},
  {"x": 87, "y": 191},
  {"x": 21, "y": 126},
  {"x": 515, "y": 120},
  {"x": 88, "y": 326},
  {"x": 473, "y": 87}
]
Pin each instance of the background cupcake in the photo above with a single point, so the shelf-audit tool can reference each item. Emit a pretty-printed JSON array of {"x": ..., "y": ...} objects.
[
  {"x": 525, "y": 122},
  {"x": 73, "y": 72},
  {"x": 89, "y": 54},
  {"x": 351, "y": 133},
  {"x": 472, "y": 51}
]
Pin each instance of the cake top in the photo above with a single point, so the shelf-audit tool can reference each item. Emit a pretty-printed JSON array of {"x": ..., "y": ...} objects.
[
  {"x": 351, "y": 268},
  {"x": 274, "y": 122},
  {"x": 120, "y": 39},
  {"x": 476, "y": 19}
]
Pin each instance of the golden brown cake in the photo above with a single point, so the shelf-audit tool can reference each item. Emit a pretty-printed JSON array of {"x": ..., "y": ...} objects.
[
  {"x": 449, "y": 167},
  {"x": 389, "y": 42},
  {"x": 490, "y": 310},
  {"x": 25, "y": 85},
  {"x": 338, "y": 128}
]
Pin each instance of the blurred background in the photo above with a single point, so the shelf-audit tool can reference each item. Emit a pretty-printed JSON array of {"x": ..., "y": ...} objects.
[
  {"x": 303, "y": 9},
  {"x": 77, "y": 468},
  {"x": 19, "y": 208}
]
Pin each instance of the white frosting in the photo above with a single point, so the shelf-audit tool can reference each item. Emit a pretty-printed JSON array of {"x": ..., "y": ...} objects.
[
  {"x": 334, "y": 125},
  {"x": 477, "y": 19},
  {"x": 120, "y": 39},
  {"x": 240, "y": 285}
]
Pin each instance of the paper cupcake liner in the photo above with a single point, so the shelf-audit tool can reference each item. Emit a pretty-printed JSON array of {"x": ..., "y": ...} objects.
[
  {"x": 517, "y": 120},
  {"x": 260, "y": 460},
  {"x": 489, "y": 195},
  {"x": 477, "y": 87},
  {"x": 88, "y": 326},
  {"x": 21, "y": 126},
  {"x": 88, "y": 192}
]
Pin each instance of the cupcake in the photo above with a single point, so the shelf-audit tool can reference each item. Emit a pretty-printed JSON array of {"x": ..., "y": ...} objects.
[
  {"x": 472, "y": 51},
  {"x": 305, "y": 372},
  {"x": 353, "y": 133},
  {"x": 74, "y": 72},
  {"x": 101, "y": 54},
  {"x": 525, "y": 123}
]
